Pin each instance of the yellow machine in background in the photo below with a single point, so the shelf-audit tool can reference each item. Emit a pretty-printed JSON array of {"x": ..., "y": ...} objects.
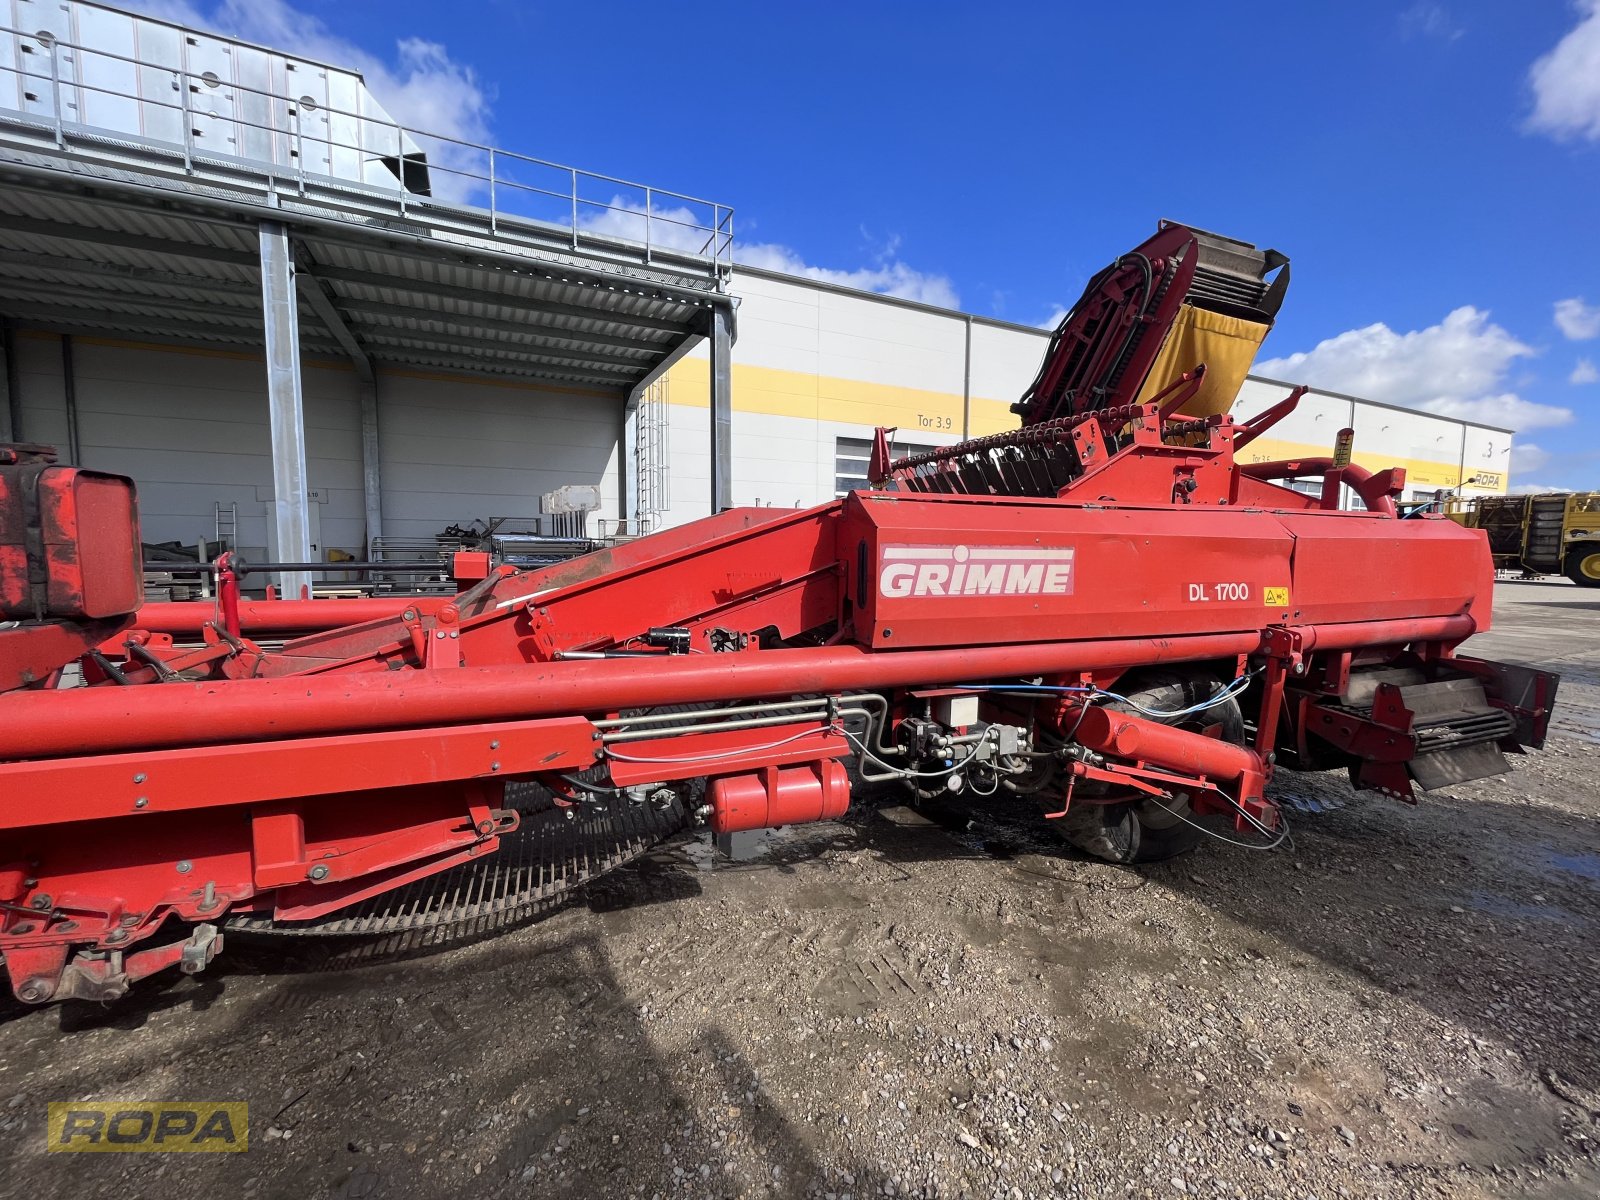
[{"x": 1553, "y": 533}]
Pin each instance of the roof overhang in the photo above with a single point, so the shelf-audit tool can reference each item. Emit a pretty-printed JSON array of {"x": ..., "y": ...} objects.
[{"x": 119, "y": 253}]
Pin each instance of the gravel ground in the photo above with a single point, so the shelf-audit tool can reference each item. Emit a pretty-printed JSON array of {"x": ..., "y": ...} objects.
[{"x": 1403, "y": 1004}]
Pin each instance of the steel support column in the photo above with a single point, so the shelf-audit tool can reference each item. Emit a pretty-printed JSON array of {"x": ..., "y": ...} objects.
[
  {"x": 11, "y": 410},
  {"x": 285, "y": 404},
  {"x": 69, "y": 399},
  {"x": 371, "y": 469},
  {"x": 721, "y": 409},
  {"x": 966, "y": 384}
]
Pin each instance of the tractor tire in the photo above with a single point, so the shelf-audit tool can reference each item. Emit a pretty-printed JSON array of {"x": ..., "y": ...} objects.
[
  {"x": 1583, "y": 564},
  {"x": 1149, "y": 830}
]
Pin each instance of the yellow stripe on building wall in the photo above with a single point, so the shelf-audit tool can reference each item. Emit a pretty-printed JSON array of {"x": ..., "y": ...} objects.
[
  {"x": 778, "y": 393},
  {"x": 991, "y": 416}
]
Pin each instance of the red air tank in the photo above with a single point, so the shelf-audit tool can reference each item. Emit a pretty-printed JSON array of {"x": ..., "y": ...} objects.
[{"x": 779, "y": 796}]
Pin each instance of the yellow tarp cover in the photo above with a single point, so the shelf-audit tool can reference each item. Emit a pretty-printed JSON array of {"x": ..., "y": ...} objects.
[{"x": 1227, "y": 346}]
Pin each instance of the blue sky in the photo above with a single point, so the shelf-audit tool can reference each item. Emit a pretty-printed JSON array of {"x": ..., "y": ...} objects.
[{"x": 1432, "y": 168}]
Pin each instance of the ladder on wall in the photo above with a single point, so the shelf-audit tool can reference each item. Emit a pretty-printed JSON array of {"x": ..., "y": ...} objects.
[
  {"x": 650, "y": 469},
  {"x": 227, "y": 525}
]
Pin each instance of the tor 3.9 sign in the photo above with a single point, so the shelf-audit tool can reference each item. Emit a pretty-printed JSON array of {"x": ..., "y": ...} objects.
[{"x": 975, "y": 571}]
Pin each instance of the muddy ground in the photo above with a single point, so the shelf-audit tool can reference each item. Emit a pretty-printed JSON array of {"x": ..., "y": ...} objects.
[{"x": 1402, "y": 1004}]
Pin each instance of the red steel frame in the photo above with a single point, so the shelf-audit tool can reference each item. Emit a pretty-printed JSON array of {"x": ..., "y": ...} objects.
[
  {"x": 200, "y": 772},
  {"x": 358, "y": 758}
]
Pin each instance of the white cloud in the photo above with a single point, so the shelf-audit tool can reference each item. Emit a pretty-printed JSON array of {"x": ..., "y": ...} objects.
[
  {"x": 1430, "y": 20},
  {"x": 1455, "y": 368},
  {"x": 1057, "y": 314},
  {"x": 1526, "y": 456},
  {"x": 1506, "y": 410},
  {"x": 1566, "y": 82},
  {"x": 1578, "y": 321},
  {"x": 1584, "y": 372},
  {"x": 420, "y": 86},
  {"x": 683, "y": 228},
  {"x": 1534, "y": 489},
  {"x": 887, "y": 275}
]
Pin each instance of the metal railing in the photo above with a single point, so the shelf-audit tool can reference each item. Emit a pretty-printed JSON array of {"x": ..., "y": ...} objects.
[{"x": 361, "y": 159}]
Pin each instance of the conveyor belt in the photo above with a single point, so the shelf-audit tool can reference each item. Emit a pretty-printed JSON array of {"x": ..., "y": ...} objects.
[{"x": 539, "y": 863}]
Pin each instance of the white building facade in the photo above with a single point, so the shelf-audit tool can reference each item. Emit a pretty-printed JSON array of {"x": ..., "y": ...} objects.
[{"x": 817, "y": 367}]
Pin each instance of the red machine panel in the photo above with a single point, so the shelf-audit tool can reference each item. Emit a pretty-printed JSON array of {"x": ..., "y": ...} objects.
[
  {"x": 948, "y": 571},
  {"x": 69, "y": 544},
  {"x": 1364, "y": 567}
]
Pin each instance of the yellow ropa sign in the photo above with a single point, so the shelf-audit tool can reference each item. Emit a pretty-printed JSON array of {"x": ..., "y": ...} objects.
[{"x": 140, "y": 1126}]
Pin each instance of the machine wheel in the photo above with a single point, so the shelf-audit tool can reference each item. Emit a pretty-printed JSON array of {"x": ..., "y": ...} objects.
[
  {"x": 1149, "y": 830},
  {"x": 1583, "y": 565}
]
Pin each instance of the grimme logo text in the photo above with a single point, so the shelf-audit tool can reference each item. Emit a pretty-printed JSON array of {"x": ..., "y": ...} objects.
[
  {"x": 140, "y": 1126},
  {"x": 976, "y": 571}
]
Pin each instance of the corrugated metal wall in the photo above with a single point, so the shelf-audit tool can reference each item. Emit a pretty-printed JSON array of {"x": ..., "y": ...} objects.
[
  {"x": 191, "y": 428},
  {"x": 455, "y": 449}
]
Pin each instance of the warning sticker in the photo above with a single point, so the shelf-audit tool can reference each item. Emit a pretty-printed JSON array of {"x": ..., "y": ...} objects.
[{"x": 1275, "y": 597}]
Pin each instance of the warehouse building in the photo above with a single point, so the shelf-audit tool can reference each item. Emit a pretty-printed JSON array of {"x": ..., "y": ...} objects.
[
  {"x": 817, "y": 368},
  {"x": 226, "y": 272}
]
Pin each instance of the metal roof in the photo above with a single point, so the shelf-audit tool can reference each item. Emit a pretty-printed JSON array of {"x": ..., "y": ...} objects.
[{"x": 79, "y": 257}]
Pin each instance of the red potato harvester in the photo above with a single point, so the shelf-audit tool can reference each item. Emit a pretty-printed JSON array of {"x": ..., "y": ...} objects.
[{"x": 1103, "y": 614}]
